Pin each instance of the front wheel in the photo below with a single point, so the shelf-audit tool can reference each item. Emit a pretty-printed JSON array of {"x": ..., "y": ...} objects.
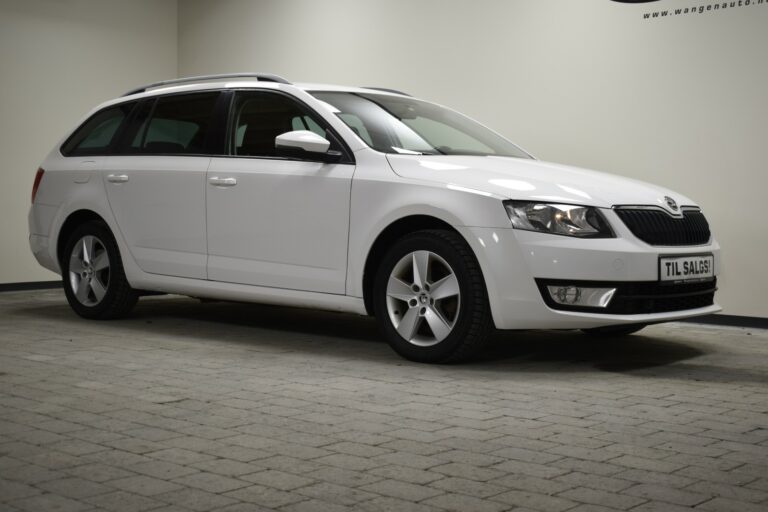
[
  {"x": 430, "y": 299},
  {"x": 92, "y": 271}
]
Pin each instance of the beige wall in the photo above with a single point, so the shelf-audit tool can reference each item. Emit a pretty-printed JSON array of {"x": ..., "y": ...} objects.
[
  {"x": 58, "y": 59},
  {"x": 680, "y": 101}
]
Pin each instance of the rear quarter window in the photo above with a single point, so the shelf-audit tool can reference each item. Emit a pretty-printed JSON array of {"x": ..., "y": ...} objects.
[{"x": 97, "y": 134}]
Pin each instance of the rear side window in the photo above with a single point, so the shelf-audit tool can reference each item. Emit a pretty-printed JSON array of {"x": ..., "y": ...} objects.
[
  {"x": 96, "y": 135},
  {"x": 177, "y": 124}
]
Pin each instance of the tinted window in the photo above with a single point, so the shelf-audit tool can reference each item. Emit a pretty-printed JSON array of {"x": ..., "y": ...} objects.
[
  {"x": 177, "y": 125},
  {"x": 95, "y": 136},
  {"x": 259, "y": 117}
]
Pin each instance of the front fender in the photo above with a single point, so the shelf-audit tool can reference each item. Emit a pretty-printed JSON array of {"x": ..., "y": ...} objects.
[{"x": 380, "y": 198}]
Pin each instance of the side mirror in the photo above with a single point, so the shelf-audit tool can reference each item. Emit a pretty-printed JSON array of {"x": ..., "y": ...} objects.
[
  {"x": 305, "y": 144},
  {"x": 302, "y": 140}
]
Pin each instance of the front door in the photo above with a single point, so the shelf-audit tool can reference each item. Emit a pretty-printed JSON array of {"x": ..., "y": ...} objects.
[{"x": 272, "y": 221}]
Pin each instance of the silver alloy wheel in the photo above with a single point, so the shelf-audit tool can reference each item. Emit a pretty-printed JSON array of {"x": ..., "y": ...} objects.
[
  {"x": 423, "y": 298},
  {"x": 89, "y": 270}
]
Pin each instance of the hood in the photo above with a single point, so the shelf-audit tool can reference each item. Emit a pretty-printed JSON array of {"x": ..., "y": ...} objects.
[{"x": 517, "y": 178}]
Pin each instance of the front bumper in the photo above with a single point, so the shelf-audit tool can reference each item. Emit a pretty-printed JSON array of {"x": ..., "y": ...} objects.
[
  {"x": 512, "y": 261},
  {"x": 632, "y": 297}
]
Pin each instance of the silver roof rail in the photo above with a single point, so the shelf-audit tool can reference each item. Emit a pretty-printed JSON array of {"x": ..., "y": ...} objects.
[
  {"x": 261, "y": 77},
  {"x": 383, "y": 89}
]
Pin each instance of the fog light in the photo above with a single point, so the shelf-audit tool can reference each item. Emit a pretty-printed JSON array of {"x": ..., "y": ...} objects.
[{"x": 581, "y": 296}]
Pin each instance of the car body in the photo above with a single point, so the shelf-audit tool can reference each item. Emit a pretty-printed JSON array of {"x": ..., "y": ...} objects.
[{"x": 300, "y": 224}]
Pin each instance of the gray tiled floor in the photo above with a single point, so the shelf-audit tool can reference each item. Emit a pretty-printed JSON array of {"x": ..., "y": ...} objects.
[{"x": 189, "y": 406}]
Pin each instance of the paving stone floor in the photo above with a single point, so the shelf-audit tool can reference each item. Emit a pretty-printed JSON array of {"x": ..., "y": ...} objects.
[{"x": 233, "y": 407}]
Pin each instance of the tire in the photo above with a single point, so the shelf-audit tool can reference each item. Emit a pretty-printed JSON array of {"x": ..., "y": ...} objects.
[
  {"x": 406, "y": 309},
  {"x": 614, "y": 330},
  {"x": 93, "y": 275}
]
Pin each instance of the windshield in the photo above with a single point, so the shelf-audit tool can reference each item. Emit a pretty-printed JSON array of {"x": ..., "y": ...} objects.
[{"x": 396, "y": 124}]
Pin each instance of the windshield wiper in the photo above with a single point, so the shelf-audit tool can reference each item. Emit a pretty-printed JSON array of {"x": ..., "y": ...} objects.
[{"x": 403, "y": 151}]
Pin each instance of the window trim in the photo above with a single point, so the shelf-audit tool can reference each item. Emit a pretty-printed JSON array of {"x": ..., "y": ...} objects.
[{"x": 216, "y": 143}]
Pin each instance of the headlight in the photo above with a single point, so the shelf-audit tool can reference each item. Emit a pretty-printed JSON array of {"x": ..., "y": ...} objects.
[{"x": 558, "y": 219}]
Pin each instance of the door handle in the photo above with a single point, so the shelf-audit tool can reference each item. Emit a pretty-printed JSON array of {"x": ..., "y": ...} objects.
[
  {"x": 117, "y": 178},
  {"x": 222, "y": 182}
]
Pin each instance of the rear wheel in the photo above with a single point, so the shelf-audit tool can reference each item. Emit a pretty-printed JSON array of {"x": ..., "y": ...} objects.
[
  {"x": 430, "y": 299},
  {"x": 614, "y": 330},
  {"x": 93, "y": 276}
]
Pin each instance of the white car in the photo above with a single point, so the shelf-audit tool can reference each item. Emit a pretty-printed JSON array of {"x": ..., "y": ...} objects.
[{"x": 247, "y": 187}]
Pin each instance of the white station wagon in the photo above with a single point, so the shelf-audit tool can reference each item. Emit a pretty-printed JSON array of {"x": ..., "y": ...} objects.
[{"x": 246, "y": 187}]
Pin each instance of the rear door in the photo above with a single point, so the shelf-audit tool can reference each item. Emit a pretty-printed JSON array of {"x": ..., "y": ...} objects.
[{"x": 156, "y": 184}]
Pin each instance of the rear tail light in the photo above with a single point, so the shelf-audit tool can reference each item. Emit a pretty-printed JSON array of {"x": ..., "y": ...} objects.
[{"x": 36, "y": 184}]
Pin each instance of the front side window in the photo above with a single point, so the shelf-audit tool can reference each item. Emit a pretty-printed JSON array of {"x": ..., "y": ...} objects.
[
  {"x": 395, "y": 124},
  {"x": 178, "y": 124},
  {"x": 259, "y": 117},
  {"x": 96, "y": 135}
]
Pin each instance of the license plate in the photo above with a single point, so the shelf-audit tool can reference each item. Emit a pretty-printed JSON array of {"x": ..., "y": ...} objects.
[{"x": 686, "y": 268}]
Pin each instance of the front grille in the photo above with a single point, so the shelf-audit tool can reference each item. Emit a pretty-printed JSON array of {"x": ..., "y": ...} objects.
[
  {"x": 656, "y": 227},
  {"x": 640, "y": 297}
]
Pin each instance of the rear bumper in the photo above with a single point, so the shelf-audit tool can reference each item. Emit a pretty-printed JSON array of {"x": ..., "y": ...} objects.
[
  {"x": 513, "y": 260},
  {"x": 40, "y": 249},
  {"x": 40, "y": 220}
]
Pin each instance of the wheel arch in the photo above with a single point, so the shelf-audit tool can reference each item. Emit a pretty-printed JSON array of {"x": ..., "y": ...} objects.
[
  {"x": 394, "y": 231},
  {"x": 73, "y": 220}
]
